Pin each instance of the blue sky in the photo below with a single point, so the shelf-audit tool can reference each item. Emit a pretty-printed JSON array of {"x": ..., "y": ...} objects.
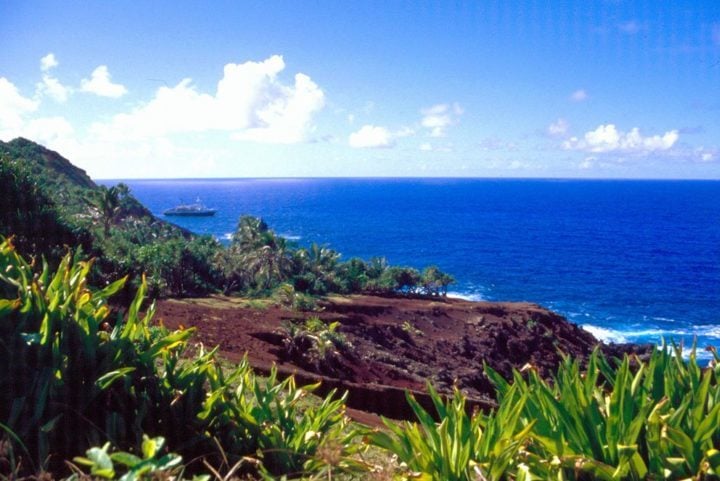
[{"x": 332, "y": 88}]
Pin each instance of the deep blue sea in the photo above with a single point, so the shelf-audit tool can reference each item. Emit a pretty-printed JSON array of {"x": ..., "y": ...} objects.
[{"x": 628, "y": 260}]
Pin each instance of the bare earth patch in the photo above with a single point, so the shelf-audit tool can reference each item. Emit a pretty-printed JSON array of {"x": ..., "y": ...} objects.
[{"x": 398, "y": 343}]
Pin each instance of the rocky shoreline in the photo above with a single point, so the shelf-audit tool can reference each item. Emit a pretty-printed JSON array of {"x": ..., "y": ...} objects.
[{"x": 395, "y": 344}]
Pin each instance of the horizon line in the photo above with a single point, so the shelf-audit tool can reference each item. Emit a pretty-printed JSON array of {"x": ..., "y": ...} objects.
[{"x": 604, "y": 179}]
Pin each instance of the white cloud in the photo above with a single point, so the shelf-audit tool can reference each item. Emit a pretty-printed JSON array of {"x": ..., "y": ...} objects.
[
  {"x": 48, "y": 130},
  {"x": 48, "y": 62},
  {"x": 559, "y": 128},
  {"x": 579, "y": 95},
  {"x": 100, "y": 84},
  {"x": 371, "y": 136},
  {"x": 404, "y": 132},
  {"x": 13, "y": 107},
  {"x": 439, "y": 117},
  {"x": 52, "y": 87},
  {"x": 250, "y": 102},
  {"x": 705, "y": 155},
  {"x": 587, "y": 163},
  {"x": 607, "y": 138},
  {"x": 428, "y": 147}
]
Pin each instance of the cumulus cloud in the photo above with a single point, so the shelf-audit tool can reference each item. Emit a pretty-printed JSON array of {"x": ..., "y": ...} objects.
[
  {"x": 439, "y": 117},
  {"x": 51, "y": 86},
  {"x": 579, "y": 95},
  {"x": 14, "y": 122},
  {"x": 559, "y": 128},
  {"x": 607, "y": 138},
  {"x": 48, "y": 62},
  {"x": 48, "y": 130},
  {"x": 371, "y": 137},
  {"x": 250, "y": 102},
  {"x": 587, "y": 163},
  {"x": 13, "y": 108},
  {"x": 707, "y": 155},
  {"x": 404, "y": 132},
  {"x": 100, "y": 84}
]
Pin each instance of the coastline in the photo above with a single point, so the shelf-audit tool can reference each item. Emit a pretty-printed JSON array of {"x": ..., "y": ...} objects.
[{"x": 397, "y": 343}]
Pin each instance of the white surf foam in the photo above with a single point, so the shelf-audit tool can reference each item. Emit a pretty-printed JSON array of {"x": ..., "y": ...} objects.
[
  {"x": 604, "y": 334},
  {"x": 291, "y": 237},
  {"x": 465, "y": 296}
]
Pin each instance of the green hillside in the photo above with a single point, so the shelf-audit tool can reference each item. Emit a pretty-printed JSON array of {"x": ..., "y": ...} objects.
[{"x": 50, "y": 205}]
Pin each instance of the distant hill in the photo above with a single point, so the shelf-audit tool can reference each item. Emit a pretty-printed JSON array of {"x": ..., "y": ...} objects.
[
  {"x": 65, "y": 184},
  {"x": 46, "y": 162},
  {"x": 49, "y": 205}
]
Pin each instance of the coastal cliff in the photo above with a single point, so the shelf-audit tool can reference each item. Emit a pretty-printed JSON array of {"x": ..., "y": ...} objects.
[{"x": 394, "y": 343}]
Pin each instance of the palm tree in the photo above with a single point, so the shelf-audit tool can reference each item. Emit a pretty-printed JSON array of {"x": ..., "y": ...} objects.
[
  {"x": 108, "y": 202},
  {"x": 269, "y": 265},
  {"x": 252, "y": 233},
  {"x": 323, "y": 260}
]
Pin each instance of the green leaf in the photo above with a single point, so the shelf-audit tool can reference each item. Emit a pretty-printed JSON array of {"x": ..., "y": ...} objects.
[
  {"x": 709, "y": 425},
  {"x": 713, "y": 458},
  {"x": 151, "y": 446},
  {"x": 101, "y": 463},
  {"x": 111, "y": 289},
  {"x": 127, "y": 459},
  {"x": 107, "y": 379},
  {"x": 7, "y": 306}
]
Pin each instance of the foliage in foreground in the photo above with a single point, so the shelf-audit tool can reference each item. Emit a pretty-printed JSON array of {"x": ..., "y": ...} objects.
[
  {"x": 461, "y": 446},
  {"x": 73, "y": 377},
  {"x": 634, "y": 420}
]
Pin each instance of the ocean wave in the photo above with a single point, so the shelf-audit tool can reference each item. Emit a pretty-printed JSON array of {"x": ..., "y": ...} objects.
[
  {"x": 713, "y": 332},
  {"x": 227, "y": 236},
  {"x": 604, "y": 334},
  {"x": 466, "y": 296},
  {"x": 614, "y": 336},
  {"x": 291, "y": 237}
]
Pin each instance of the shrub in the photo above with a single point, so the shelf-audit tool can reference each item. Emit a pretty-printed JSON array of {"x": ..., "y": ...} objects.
[
  {"x": 73, "y": 376},
  {"x": 314, "y": 343},
  {"x": 460, "y": 447},
  {"x": 658, "y": 419}
]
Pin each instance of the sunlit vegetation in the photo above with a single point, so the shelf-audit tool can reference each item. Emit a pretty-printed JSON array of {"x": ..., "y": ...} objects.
[
  {"x": 315, "y": 343},
  {"x": 75, "y": 375},
  {"x": 51, "y": 205},
  {"x": 115, "y": 397},
  {"x": 258, "y": 261}
]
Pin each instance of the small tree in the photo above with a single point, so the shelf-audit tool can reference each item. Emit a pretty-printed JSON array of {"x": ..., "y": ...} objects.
[
  {"x": 401, "y": 279},
  {"x": 108, "y": 201},
  {"x": 435, "y": 282}
]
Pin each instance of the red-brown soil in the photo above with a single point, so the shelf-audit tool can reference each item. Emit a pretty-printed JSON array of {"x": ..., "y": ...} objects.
[{"x": 397, "y": 344}]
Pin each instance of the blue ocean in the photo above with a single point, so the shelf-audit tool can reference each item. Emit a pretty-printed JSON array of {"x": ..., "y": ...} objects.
[{"x": 633, "y": 261}]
